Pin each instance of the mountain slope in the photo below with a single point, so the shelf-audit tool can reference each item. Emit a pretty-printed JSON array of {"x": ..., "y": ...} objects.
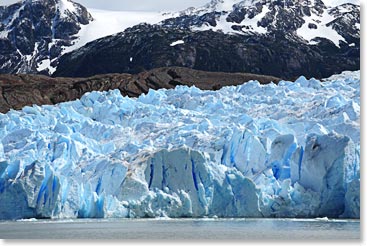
[
  {"x": 33, "y": 33},
  {"x": 305, "y": 19},
  {"x": 144, "y": 47},
  {"x": 254, "y": 36},
  {"x": 279, "y": 38}
]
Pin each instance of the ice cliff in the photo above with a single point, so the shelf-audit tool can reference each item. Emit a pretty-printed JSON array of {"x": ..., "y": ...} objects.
[{"x": 287, "y": 150}]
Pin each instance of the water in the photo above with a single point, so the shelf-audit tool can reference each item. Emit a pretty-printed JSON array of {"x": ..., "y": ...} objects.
[{"x": 179, "y": 229}]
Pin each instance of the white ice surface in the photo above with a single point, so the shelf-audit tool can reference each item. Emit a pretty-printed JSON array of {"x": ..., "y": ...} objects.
[{"x": 252, "y": 150}]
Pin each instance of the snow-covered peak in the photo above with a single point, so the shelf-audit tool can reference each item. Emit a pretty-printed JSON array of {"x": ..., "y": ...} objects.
[
  {"x": 66, "y": 6},
  {"x": 309, "y": 20},
  {"x": 217, "y": 6},
  {"x": 224, "y": 5},
  {"x": 37, "y": 31}
]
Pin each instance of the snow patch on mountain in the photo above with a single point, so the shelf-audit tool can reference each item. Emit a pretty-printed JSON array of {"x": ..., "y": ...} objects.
[
  {"x": 66, "y": 7},
  {"x": 318, "y": 26},
  {"x": 45, "y": 65},
  {"x": 178, "y": 42},
  {"x": 252, "y": 23},
  {"x": 287, "y": 150},
  {"x": 221, "y": 25}
]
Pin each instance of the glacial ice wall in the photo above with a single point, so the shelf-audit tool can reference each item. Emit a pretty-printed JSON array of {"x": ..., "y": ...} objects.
[{"x": 287, "y": 150}]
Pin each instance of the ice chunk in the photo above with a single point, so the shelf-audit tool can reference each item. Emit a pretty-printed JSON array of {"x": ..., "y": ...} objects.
[
  {"x": 352, "y": 200},
  {"x": 245, "y": 152},
  {"x": 33, "y": 194},
  {"x": 335, "y": 101},
  {"x": 282, "y": 150},
  {"x": 323, "y": 170}
]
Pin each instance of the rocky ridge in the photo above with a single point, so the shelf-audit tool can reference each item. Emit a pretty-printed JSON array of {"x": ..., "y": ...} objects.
[{"x": 17, "y": 91}]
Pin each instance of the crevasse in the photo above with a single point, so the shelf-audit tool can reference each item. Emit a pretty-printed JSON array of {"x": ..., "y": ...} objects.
[{"x": 287, "y": 150}]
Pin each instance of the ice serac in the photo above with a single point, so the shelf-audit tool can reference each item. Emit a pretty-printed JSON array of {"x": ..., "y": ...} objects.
[
  {"x": 198, "y": 187},
  {"x": 34, "y": 193},
  {"x": 325, "y": 173},
  {"x": 286, "y": 150}
]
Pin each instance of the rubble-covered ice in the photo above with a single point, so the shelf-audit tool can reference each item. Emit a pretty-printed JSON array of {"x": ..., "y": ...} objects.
[{"x": 287, "y": 150}]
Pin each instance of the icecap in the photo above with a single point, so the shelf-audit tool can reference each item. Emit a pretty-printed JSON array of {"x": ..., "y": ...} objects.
[{"x": 287, "y": 150}]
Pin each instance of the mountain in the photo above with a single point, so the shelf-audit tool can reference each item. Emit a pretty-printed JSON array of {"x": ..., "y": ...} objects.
[
  {"x": 279, "y": 38},
  {"x": 18, "y": 91},
  {"x": 264, "y": 37},
  {"x": 33, "y": 33},
  {"x": 306, "y": 19}
]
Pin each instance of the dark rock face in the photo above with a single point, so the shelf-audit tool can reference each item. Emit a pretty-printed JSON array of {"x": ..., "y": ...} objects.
[
  {"x": 312, "y": 26},
  {"x": 277, "y": 49},
  {"x": 17, "y": 91},
  {"x": 149, "y": 46},
  {"x": 35, "y": 31}
]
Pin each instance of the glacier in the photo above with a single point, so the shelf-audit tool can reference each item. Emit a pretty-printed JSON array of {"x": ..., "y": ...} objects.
[{"x": 288, "y": 150}]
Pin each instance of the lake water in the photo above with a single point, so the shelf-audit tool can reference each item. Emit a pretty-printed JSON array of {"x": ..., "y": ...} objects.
[{"x": 180, "y": 229}]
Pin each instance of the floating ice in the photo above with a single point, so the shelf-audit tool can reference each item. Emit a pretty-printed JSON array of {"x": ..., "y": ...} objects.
[{"x": 252, "y": 150}]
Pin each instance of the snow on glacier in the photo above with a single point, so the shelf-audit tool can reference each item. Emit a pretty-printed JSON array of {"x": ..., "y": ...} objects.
[
  {"x": 287, "y": 150},
  {"x": 107, "y": 22}
]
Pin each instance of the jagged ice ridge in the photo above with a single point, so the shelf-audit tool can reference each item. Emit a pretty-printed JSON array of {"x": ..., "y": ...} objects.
[{"x": 287, "y": 150}]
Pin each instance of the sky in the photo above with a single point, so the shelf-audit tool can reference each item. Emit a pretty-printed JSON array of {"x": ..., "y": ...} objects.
[{"x": 152, "y": 5}]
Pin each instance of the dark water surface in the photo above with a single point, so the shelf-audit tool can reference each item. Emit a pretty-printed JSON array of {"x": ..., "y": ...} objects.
[{"x": 179, "y": 229}]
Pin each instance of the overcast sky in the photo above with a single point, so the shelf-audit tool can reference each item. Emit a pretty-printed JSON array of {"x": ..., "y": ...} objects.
[
  {"x": 151, "y": 5},
  {"x": 146, "y": 5}
]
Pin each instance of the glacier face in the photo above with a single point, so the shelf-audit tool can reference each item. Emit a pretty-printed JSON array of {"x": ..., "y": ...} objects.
[{"x": 287, "y": 150}]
